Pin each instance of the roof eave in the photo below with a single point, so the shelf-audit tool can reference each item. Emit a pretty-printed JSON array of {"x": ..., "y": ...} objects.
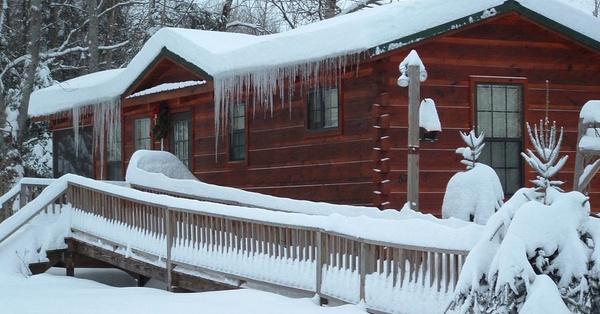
[{"x": 507, "y": 7}]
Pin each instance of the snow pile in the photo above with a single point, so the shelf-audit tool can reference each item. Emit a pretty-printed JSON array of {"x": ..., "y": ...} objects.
[
  {"x": 412, "y": 59},
  {"x": 475, "y": 194},
  {"x": 163, "y": 171},
  {"x": 157, "y": 162},
  {"x": 158, "y": 170},
  {"x": 544, "y": 297},
  {"x": 590, "y": 112},
  {"x": 166, "y": 87},
  {"x": 526, "y": 239},
  {"x": 428, "y": 116}
]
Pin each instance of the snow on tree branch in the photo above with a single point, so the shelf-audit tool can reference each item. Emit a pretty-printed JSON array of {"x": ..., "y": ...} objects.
[
  {"x": 473, "y": 150},
  {"x": 545, "y": 157}
]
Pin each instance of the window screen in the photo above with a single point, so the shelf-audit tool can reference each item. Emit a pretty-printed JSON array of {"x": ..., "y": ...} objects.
[
  {"x": 181, "y": 137},
  {"x": 142, "y": 139},
  {"x": 499, "y": 116},
  {"x": 64, "y": 157},
  {"x": 323, "y": 108},
  {"x": 237, "y": 134}
]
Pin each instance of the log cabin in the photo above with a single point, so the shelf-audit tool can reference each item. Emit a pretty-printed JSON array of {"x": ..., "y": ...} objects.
[{"x": 316, "y": 112}]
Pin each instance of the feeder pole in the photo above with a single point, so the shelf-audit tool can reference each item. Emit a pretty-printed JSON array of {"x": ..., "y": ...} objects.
[{"x": 414, "y": 100}]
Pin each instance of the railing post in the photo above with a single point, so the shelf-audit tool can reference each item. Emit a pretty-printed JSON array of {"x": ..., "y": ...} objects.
[
  {"x": 319, "y": 261},
  {"x": 363, "y": 265},
  {"x": 23, "y": 196},
  {"x": 169, "y": 238}
]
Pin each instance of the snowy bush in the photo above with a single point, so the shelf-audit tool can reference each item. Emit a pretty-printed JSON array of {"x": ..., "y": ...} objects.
[{"x": 475, "y": 194}]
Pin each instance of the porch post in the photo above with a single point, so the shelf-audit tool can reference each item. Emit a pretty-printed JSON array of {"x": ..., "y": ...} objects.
[{"x": 414, "y": 99}]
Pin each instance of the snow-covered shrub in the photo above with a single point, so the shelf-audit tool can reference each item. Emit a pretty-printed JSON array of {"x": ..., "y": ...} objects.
[
  {"x": 525, "y": 246},
  {"x": 545, "y": 160},
  {"x": 475, "y": 194}
]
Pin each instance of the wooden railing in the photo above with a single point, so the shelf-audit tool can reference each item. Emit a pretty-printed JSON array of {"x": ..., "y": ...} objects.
[
  {"x": 25, "y": 191},
  {"x": 333, "y": 265},
  {"x": 54, "y": 204}
]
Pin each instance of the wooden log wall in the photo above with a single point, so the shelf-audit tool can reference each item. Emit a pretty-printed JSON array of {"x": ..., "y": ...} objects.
[
  {"x": 503, "y": 47},
  {"x": 381, "y": 151},
  {"x": 284, "y": 158}
]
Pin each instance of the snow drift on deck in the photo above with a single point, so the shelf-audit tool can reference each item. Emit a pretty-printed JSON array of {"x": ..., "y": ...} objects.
[
  {"x": 229, "y": 56},
  {"x": 163, "y": 171}
]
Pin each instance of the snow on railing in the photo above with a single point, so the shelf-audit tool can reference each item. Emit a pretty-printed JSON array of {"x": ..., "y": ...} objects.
[
  {"x": 349, "y": 259},
  {"x": 19, "y": 195},
  {"x": 51, "y": 199}
]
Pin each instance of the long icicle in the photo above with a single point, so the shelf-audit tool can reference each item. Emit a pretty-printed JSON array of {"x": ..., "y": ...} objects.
[{"x": 265, "y": 83}]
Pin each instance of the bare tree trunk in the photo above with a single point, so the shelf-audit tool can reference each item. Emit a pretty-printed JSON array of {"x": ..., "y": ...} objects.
[
  {"x": 330, "y": 9},
  {"x": 225, "y": 13},
  {"x": 31, "y": 68},
  {"x": 93, "y": 61},
  {"x": 111, "y": 29},
  {"x": 596, "y": 8},
  {"x": 3, "y": 10}
]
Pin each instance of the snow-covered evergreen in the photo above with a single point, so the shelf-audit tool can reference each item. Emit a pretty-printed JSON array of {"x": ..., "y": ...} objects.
[
  {"x": 545, "y": 160},
  {"x": 475, "y": 194},
  {"x": 526, "y": 242},
  {"x": 538, "y": 249}
]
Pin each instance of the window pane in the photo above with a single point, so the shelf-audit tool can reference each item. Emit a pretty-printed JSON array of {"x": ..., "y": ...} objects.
[
  {"x": 237, "y": 134},
  {"x": 323, "y": 108},
  {"x": 484, "y": 97},
  {"x": 513, "y": 154},
  {"x": 514, "y": 125},
  {"x": 502, "y": 176},
  {"x": 498, "y": 154},
  {"x": 499, "y": 98},
  {"x": 513, "y": 98},
  {"x": 499, "y": 124},
  {"x": 513, "y": 181},
  {"x": 486, "y": 155},
  {"x": 484, "y": 121},
  {"x": 142, "y": 134}
]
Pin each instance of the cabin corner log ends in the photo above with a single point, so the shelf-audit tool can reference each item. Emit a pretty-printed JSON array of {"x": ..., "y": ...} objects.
[{"x": 246, "y": 251}]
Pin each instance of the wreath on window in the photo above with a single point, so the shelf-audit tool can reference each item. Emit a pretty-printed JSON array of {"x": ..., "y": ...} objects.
[{"x": 162, "y": 123}]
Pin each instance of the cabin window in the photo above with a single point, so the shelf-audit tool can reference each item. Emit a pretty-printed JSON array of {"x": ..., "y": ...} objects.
[
  {"x": 66, "y": 159},
  {"x": 499, "y": 115},
  {"x": 181, "y": 137},
  {"x": 142, "y": 140},
  {"x": 237, "y": 133},
  {"x": 323, "y": 108},
  {"x": 114, "y": 165}
]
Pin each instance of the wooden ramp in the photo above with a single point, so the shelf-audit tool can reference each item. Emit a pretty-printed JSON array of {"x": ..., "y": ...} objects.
[{"x": 201, "y": 250}]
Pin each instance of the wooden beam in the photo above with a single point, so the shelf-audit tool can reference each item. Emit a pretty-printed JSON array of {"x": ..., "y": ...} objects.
[{"x": 414, "y": 100}]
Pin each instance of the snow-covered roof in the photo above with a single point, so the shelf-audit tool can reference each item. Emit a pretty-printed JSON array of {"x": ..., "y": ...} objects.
[
  {"x": 377, "y": 30},
  {"x": 166, "y": 87}
]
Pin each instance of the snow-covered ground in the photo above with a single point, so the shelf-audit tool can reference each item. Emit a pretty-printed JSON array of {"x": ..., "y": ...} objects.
[{"x": 48, "y": 293}]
